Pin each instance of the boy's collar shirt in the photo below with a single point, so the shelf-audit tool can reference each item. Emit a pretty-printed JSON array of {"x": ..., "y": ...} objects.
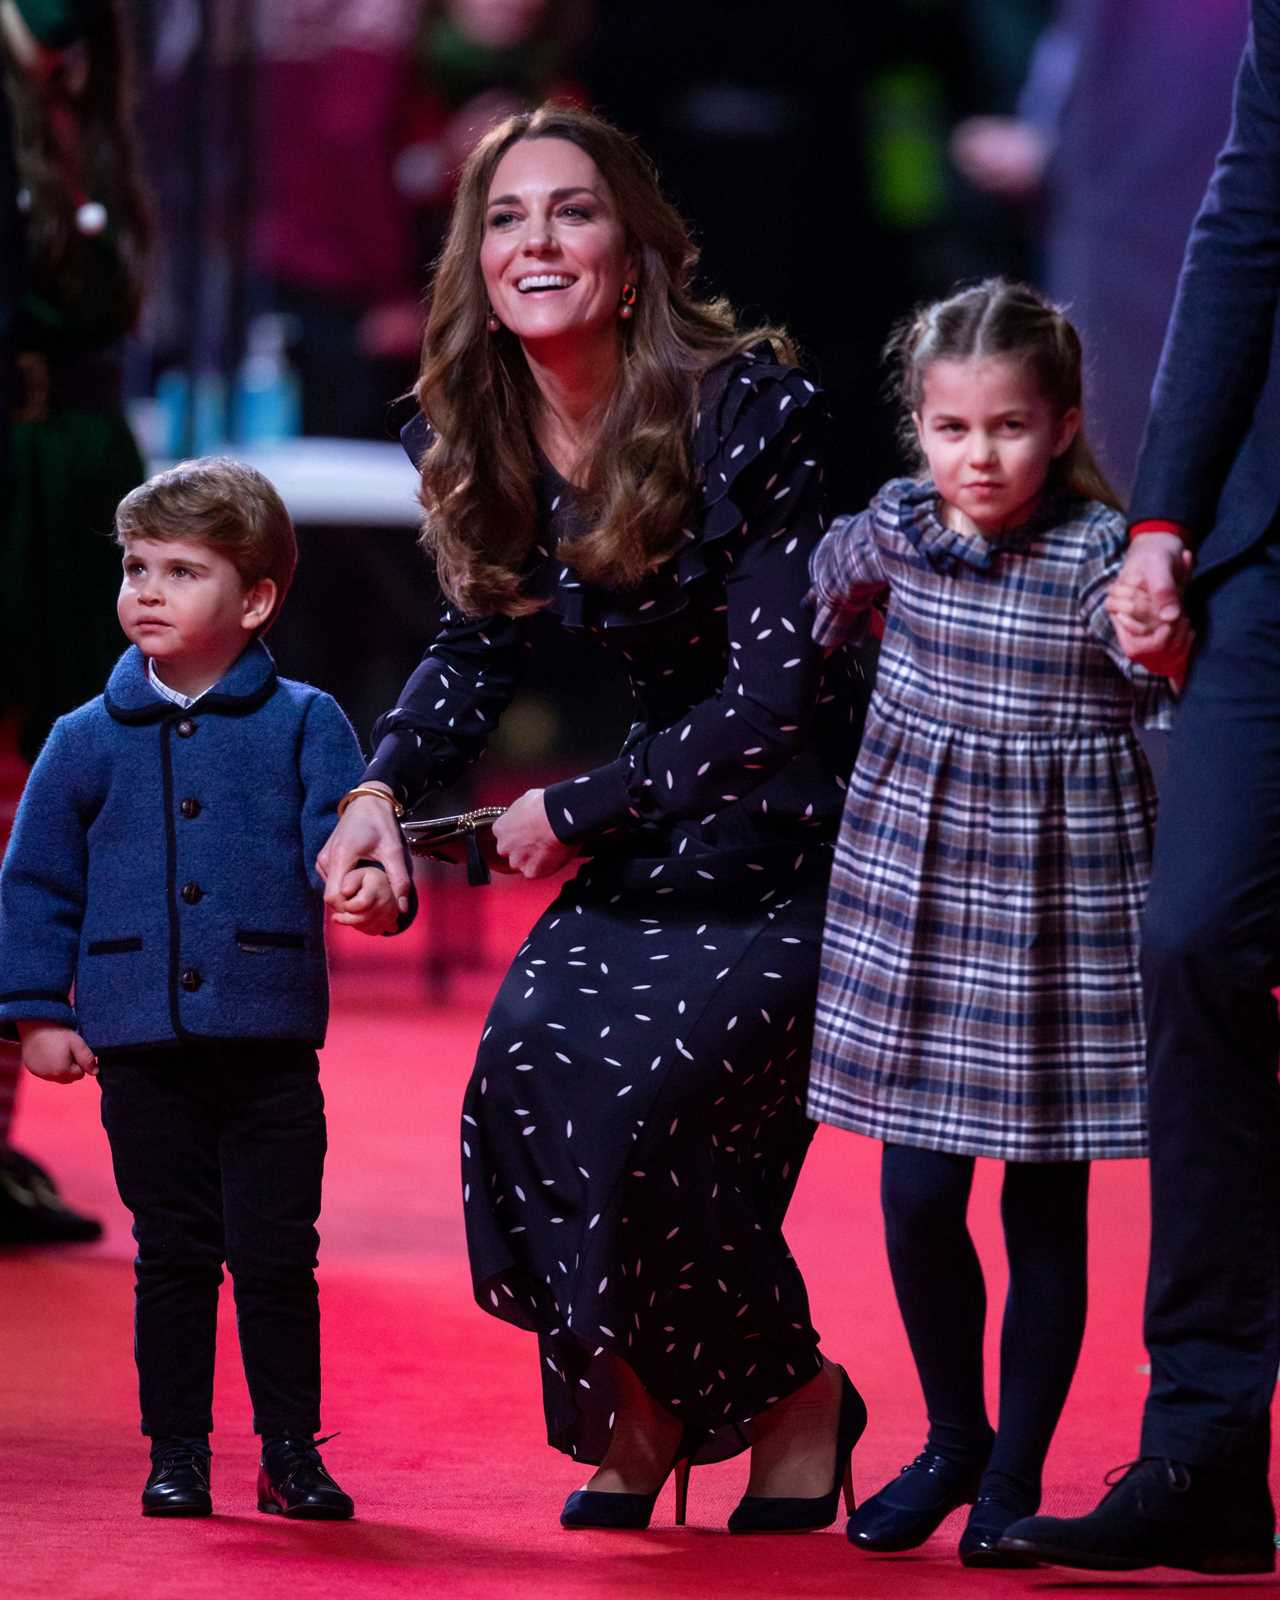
[{"x": 183, "y": 701}]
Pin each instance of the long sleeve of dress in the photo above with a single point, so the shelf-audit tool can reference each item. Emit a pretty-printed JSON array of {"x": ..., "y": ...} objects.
[
  {"x": 848, "y": 577},
  {"x": 449, "y": 707},
  {"x": 726, "y": 745}
]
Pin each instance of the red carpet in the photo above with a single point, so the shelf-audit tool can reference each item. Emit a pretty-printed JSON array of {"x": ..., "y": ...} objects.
[{"x": 438, "y": 1404}]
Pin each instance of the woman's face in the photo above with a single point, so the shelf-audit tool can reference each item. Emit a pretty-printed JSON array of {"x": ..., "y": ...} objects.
[{"x": 554, "y": 255}]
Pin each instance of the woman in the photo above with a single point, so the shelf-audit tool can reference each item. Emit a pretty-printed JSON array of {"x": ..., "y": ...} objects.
[{"x": 605, "y": 446}]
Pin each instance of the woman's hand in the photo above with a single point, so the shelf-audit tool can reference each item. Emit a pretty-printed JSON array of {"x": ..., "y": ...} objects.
[
  {"x": 367, "y": 830},
  {"x": 522, "y": 836}
]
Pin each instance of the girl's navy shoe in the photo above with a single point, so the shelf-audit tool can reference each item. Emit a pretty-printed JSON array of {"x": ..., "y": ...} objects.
[
  {"x": 979, "y": 1543},
  {"x": 915, "y": 1504},
  {"x": 770, "y": 1514}
]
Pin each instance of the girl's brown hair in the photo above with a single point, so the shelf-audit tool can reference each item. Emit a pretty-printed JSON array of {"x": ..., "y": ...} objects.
[
  {"x": 479, "y": 474},
  {"x": 73, "y": 144},
  {"x": 999, "y": 318}
]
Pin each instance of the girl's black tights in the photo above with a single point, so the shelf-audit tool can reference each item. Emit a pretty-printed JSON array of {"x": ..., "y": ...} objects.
[{"x": 942, "y": 1297}]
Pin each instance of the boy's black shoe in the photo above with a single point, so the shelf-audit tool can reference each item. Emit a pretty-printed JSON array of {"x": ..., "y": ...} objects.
[
  {"x": 292, "y": 1481},
  {"x": 913, "y": 1505},
  {"x": 179, "y": 1481},
  {"x": 1161, "y": 1514}
]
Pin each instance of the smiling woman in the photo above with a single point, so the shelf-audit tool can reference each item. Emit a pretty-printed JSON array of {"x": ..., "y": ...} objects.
[{"x": 598, "y": 443}]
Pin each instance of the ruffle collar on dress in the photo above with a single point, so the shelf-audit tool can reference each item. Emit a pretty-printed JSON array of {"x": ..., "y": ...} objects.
[{"x": 946, "y": 548}]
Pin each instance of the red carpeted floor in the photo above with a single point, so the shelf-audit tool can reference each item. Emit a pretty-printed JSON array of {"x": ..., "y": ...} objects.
[{"x": 438, "y": 1404}]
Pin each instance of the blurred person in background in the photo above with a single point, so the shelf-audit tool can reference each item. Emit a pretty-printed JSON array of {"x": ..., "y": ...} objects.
[
  {"x": 84, "y": 232},
  {"x": 365, "y": 113},
  {"x": 1113, "y": 194},
  {"x": 599, "y": 444}
]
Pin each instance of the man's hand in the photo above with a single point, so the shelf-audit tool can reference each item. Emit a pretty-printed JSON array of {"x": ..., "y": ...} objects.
[
  {"x": 55, "y": 1053},
  {"x": 523, "y": 836},
  {"x": 1145, "y": 603}
]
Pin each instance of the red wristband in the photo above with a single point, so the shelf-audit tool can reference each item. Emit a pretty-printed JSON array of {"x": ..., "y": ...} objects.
[{"x": 1158, "y": 525}]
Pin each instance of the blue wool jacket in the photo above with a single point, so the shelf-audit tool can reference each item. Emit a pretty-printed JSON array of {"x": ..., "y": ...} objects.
[{"x": 162, "y": 862}]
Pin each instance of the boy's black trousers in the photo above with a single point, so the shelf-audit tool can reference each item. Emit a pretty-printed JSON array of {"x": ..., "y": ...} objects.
[{"x": 218, "y": 1149}]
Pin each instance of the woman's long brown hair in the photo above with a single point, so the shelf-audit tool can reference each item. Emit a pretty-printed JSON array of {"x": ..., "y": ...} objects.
[
  {"x": 475, "y": 387},
  {"x": 62, "y": 260}
]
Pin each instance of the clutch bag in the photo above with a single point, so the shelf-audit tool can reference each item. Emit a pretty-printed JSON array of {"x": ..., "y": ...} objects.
[{"x": 464, "y": 840}]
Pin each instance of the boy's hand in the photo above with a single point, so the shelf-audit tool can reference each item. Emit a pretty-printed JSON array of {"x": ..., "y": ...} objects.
[
  {"x": 366, "y": 901},
  {"x": 55, "y": 1053}
]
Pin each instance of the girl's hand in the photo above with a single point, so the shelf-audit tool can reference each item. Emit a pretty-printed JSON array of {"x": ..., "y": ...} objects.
[
  {"x": 367, "y": 901},
  {"x": 55, "y": 1053},
  {"x": 523, "y": 836},
  {"x": 366, "y": 829}
]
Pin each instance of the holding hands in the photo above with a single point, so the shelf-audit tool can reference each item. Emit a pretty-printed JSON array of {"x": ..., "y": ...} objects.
[{"x": 1145, "y": 605}]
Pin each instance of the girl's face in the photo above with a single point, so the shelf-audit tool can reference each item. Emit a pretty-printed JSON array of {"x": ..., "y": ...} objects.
[
  {"x": 989, "y": 436},
  {"x": 554, "y": 255}
]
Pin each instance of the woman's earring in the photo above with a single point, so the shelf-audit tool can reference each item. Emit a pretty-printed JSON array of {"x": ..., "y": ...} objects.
[
  {"x": 627, "y": 309},
  {"x": 493, "y": 324}
]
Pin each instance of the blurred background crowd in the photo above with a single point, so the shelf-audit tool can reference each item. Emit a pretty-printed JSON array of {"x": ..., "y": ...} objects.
[{"x": 218, "y": 217}]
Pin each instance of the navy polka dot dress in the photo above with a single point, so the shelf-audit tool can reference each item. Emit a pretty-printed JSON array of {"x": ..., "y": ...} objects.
[{"x": 635, "y": 1123}]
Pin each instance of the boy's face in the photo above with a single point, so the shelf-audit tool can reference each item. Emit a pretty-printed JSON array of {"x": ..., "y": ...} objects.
[{"x": 183, "y": 603}]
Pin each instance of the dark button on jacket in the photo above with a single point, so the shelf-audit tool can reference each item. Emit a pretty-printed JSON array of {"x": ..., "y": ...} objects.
[
  {"x": 190, "y": 808},
  {"x": 185, "y": 728},
  {"x": 192, "y": 893},
  {"x": 190, "y": 979}
]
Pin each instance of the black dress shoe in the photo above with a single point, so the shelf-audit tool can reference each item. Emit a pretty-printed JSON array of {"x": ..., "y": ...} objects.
[
  {"x": 31, "y": 1209},
  {"x": 292, "y": 1482},
  {"x": 915, "y": 1503},
  {"x": 179, "y": 1481},
  {"x": 1161, "y": 1514},
  {"x": 979, "y": 1543}
]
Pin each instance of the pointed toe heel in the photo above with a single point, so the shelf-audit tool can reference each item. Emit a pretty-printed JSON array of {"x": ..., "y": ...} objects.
[
  {"x": 770, "y": 1514},
  {"x": 594, "y": 1508}
]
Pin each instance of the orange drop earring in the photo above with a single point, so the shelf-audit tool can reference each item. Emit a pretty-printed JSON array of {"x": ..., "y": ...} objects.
[{"x": 627, "y": 309}]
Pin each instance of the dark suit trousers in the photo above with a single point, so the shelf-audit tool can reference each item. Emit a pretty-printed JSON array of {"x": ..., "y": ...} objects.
[
  {"x": 218, "y": 1152},
  {"x": 1211, "y": 957}
]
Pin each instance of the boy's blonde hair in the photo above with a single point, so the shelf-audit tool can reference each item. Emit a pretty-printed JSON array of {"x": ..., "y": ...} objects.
[{"x": 220, "y": 502}]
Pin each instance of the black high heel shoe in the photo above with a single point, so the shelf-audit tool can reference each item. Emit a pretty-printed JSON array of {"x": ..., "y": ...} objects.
[
  {"x": 757, "y": 1513},
  {"x": 598, "y": 1508}
]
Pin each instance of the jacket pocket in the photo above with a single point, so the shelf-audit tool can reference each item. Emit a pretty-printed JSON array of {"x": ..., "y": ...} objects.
[
  {"x": 253, "y": 941},
  {"x": 114, "y": 947}
]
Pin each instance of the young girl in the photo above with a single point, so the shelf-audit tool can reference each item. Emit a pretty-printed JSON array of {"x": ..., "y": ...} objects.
[{"x": 980, "y": 993}]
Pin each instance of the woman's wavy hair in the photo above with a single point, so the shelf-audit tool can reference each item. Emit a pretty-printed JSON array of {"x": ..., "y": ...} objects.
[
  {"x": 479, "y": 474},
  {"x": 998, "y": 317},
  {"x": 62, "y": 260}
]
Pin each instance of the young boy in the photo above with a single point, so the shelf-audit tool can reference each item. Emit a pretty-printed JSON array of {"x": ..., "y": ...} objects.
[{"x": 161, "y": 927}]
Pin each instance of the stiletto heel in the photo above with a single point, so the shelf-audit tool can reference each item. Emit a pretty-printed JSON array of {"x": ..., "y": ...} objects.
[
  {"x": 598, "y": 1508},
  {"x": 769, "y": 1514},
  {"x": 850, "y": 1504},
  {"x": 682, "y": 1470}
]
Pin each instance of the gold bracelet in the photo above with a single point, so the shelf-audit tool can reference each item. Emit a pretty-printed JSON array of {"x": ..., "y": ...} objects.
[{"x": 365, "y": 788}]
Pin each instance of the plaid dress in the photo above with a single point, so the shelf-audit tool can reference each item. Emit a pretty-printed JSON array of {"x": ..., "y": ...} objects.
[{"x": 979, "y": 990}]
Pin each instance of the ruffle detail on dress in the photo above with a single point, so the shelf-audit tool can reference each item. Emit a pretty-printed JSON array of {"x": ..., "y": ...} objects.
[
  {"x": 946, "y": 548},
  {"x": 746, "y": 404}
]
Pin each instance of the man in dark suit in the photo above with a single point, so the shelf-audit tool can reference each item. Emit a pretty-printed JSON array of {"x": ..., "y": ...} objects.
[{"x": 1207, "y": 502}]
